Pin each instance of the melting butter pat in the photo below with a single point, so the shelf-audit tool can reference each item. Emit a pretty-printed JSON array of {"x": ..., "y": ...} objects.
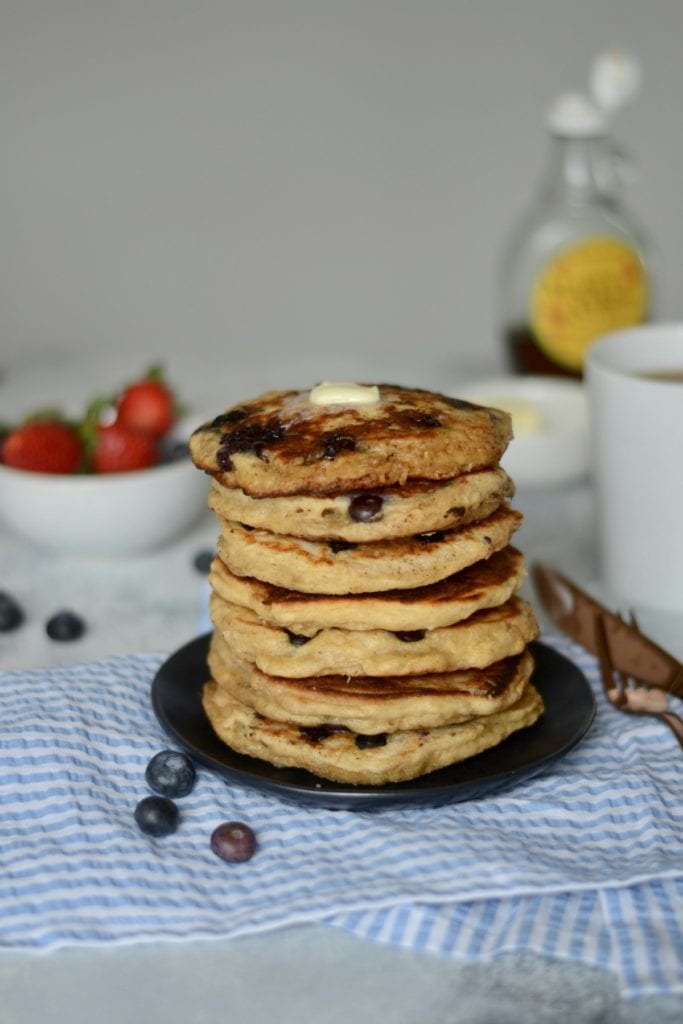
[
  {"x": 526, "y": 417},
  {"x": 331, "y": 392}
]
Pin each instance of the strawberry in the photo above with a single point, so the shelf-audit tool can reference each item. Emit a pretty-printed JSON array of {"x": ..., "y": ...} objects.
[
  {"x": 43, "y": 446},
  {"x": 147, "y": 405},
  {"x": 119, "y": 450}
]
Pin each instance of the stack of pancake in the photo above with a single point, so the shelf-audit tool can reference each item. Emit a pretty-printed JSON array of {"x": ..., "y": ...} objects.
[{"x": 364, "y": 590}]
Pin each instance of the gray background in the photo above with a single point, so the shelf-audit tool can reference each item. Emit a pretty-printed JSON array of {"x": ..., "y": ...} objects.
[{"x": 264, "y": 192}]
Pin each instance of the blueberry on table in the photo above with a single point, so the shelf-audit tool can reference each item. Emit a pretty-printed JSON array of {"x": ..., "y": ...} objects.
[
  {"x": 157, "y": 816},
  {"x": 233, "y": 841},
  {"x": 170, "y": 773},
  {"x": 174, "y": 451},
  {"x": 202, "y": 561},
  {"x": 11, "y": 613},
  {"x": 65, "y": 625}
]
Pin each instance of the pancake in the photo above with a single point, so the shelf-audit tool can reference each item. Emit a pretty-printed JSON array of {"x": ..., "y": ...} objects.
[
  {"x": 343, "y": 756},
  {"x": 281, "y": 443},
  {"x": 367, "y": 626},
  {"x": 485, "y": 637},
  {"x": 316, "y": 567},
  {"x": 419, "y": 506},
  {"x": 372, "y": 704},
  {"x": 486, "y": 584}
]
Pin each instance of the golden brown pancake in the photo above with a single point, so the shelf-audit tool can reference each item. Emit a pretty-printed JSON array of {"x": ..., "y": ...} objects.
[
  {"x": 281, "y": 443},
  {"x": 486, "y": 584},
  {"x": 418, "y": 506},
  {"x": 485, "y": 637},
  {"x": 346, "y": 756},
  {"x": 372, "y": 704},
  {"x": 317, "y": 567}
]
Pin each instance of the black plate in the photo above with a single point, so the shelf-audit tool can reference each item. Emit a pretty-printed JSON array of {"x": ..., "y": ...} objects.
[{"x": 569, "y": 711}]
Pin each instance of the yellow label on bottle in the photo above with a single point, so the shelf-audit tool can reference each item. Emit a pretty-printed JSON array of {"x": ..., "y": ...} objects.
[{"x": 587, "y": 290}]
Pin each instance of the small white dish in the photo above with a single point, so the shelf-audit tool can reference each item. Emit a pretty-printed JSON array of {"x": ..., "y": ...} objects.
[
  {"x": 114, "y": 514},
  {"x": 550, "y": 424}
]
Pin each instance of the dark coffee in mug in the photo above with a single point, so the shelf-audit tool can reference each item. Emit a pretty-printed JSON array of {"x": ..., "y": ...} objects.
[{"x": 672, "y": 375}]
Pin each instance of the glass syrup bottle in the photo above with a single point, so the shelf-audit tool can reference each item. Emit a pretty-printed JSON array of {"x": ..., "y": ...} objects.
[{"x": 578, "y": 263}]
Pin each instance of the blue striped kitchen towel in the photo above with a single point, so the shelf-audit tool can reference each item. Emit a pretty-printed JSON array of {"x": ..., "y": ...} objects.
[{"x": 583, "y": 862}]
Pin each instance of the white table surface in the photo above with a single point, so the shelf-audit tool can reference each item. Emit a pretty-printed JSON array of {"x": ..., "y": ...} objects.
[{"x": 153, "y": 603}]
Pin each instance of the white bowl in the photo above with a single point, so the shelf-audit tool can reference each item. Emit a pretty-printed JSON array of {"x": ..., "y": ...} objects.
[
  {"x": 105, "y": 514},
  {"x": 550, "y": 424}
]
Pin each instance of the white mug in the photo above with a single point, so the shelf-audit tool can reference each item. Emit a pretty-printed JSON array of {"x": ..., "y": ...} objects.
[{"x": 635, "y": 388}]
